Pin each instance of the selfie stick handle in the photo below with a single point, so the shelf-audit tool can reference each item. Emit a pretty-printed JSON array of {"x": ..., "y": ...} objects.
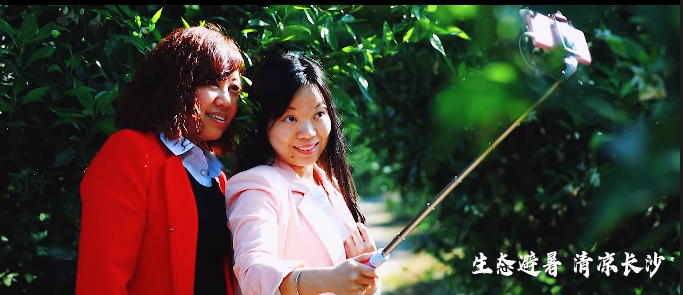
[
  {"x": 383, "y": 253},
  {"x": 377, "y": 259}
]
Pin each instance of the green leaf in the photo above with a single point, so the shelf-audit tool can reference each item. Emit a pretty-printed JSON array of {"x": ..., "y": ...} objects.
[
  {"x": 329, "y": 36},
  {"x": 65, "y": 45},
  {"x": 64, "y": 157},
  {"x": 462, "y": 69},
  {"x": 83, "y": 93},
  {"x": 66, "y": 113},
  {"x": 436, "y": 43},
  {"x": 363, "y": 84},
  {"x": 113, "y": 8},
  {"x": 348, "y": 29},
  {"x": 49, "y": 30},
  {"x": 101, "y": 11},
  {"x": 54, "y": 67},
  {"x": 369, "y": 59},
  {"x": 408, "y": 34},
  {"x": 62, "y": 253},
  {"x": 29, "y": 277},
  {"x": 627, "y": 88},
  {"x": 155, "y": 18},
  {"x": 38, "y": 236},
  {"x": 388, "y": 34},
  {"x": 43, "y": 52},
  {"x": 138, "y": 21},
  {"x": 416, "y": 11},
  {"x": 607, "y": 110},
  {"x": 126, "y": 10},
  {"x": 17, "y": 125},
  {"x": 5, "y": 27},
  {"x": 9, "y": 278},
  {"x": 91, "y": 47},
  {"x": 29, "y": 28},
  {"x": 309, "y": 17},
  {"x": 617, "y": 45},
  {"x": 104, "y": 99},
  {"x": 246, "y": 80},
  {"x": 356, "y": 9},
  {"x": 298, "y": 28},
  {"x": 157, "y": 35},
  {"x": 350, "y": 48},
  {"x": 78, "y": 89},
  {"x": 34, "y": 95},
  {"x": 634, "y": 50},
  {"x": 184, "y": 22},
  {"x": 257, "y": 23},
  {"x": 105, "y": 124},
  {"x": 17, "y": 176},
  {"x": 453, "y": 30},
  {"x": 343, "y": 100},
  {"x": 348, "y": 18},
  {"x": 74, "y": 61},
  {"x": 245, "y": 32}
]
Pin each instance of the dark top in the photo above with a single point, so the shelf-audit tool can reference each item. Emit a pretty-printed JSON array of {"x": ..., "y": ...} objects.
[{"x": 213, "y": 239}]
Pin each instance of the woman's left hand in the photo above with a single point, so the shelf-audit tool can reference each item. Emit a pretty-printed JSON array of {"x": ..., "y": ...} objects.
[{"x": 359, "y": 242}]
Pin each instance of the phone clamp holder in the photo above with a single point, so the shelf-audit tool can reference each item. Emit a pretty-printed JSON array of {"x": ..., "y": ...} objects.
[
  {"x": 570, "y": 60},
  {"x": 572, "y": 64},
  {"x": 552, "y": 31}
]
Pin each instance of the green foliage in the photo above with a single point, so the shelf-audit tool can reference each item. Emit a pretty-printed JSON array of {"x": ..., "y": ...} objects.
[
  {"x": 422, "y": 90},
  {"x": 62, "y": 66},
  {"x": 592, "y": 169}
]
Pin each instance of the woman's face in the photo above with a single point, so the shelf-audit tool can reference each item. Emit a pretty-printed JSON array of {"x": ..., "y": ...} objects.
[
  {"x": 217, "y": 105},
  {"x": 300, "y": 135}
]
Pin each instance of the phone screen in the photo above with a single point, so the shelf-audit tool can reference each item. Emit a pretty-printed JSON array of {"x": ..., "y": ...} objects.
[
  {"x": 548, "y": 33},
  {"x": 573, "y": 41},
  {"x": 567, "y": 36}
]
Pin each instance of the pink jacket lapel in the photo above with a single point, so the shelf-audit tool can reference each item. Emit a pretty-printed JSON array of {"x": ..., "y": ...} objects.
[{"x": 310, "y": 210}]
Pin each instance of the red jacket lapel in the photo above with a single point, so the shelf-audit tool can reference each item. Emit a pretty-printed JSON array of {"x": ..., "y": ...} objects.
[{"x": 182, "y": 223}]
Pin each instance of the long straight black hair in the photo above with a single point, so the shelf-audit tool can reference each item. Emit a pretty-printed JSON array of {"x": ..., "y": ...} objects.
[{"x": 279, "y": 78}]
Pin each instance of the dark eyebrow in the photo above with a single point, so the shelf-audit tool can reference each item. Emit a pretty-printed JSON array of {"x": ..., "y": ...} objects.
[{"x": 322, "y": 104}]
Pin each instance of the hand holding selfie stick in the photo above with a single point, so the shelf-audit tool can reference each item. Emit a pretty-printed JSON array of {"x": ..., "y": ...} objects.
[{"x": 383, "y": 253}]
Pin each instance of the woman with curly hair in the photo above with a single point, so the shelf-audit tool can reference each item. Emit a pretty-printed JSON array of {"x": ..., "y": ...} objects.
[{"x": 153, "y": 208}]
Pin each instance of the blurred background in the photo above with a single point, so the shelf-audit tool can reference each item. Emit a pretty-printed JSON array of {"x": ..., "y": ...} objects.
[{"x": 422, "y": 90}]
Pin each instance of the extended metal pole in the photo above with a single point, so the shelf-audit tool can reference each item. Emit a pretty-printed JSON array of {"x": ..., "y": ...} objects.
[{"x": 383, "y": 253}]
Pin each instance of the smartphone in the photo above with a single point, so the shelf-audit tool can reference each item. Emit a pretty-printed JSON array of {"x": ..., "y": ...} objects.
[{"x": 550, "y": 31}]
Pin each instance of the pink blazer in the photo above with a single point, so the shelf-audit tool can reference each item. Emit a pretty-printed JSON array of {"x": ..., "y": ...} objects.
[{"x": 277, "y": 225}]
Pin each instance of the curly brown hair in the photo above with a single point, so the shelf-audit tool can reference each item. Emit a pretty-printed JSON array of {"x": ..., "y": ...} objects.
[{"x": 161, "y": 96}]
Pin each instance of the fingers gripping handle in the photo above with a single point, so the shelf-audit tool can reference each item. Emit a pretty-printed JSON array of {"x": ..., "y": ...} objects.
[{"x": 377, "y": 259}]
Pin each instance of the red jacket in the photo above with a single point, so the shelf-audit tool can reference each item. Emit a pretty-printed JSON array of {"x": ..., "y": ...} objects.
[{"x": 139, "y": 221}]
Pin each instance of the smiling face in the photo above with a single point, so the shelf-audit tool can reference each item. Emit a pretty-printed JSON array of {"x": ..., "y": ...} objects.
[
  {"x": 217, "y": 105},
  {"x": 300, "y": 135}
]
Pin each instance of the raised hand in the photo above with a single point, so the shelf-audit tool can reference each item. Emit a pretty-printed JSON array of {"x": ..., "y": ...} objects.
[{"x": 359, "y": 242}]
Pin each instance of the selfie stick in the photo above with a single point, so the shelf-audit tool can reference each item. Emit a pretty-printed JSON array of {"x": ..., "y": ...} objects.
[{"x": 383, "y": 253}]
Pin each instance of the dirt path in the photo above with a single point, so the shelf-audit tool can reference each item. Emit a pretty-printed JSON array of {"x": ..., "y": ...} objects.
[{"x": 404, "y": 268}]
